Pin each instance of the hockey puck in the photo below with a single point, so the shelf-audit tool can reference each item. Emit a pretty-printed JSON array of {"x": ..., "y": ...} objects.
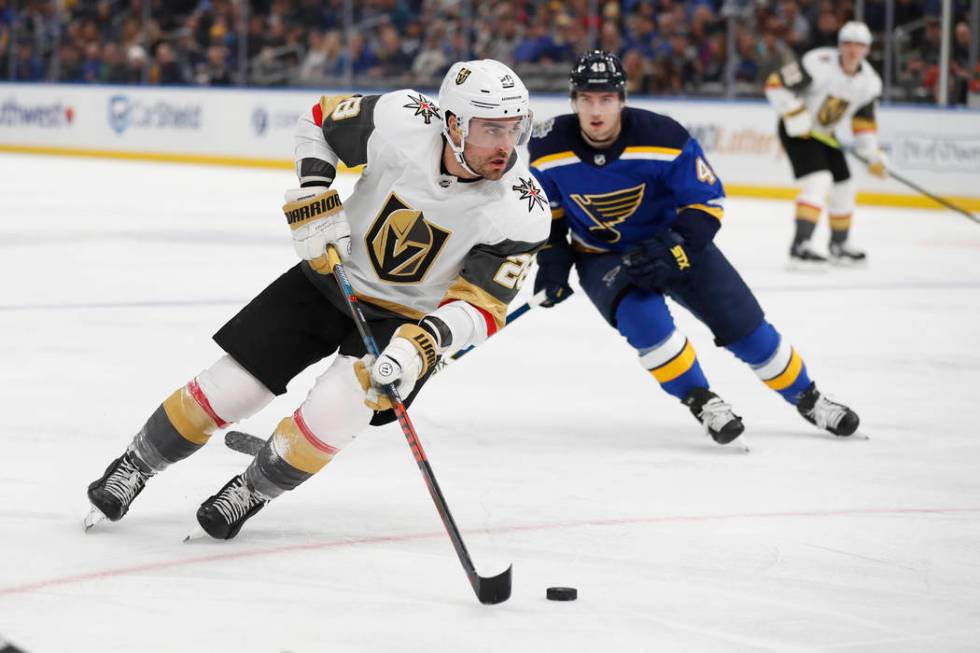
[{"x": 562, "y": 594}]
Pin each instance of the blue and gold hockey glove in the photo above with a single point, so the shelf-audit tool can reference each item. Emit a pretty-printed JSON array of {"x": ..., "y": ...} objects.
[
  {"x": 658, "y": 263},
  {"x": 554, "y": 264}
]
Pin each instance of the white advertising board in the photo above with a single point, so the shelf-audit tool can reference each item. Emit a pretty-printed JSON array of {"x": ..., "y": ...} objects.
[{"x": 940, "y": 149}]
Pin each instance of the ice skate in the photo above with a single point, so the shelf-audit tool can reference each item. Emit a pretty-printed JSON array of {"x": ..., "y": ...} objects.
[
  {"x": 803, "y": 259},
  {"x": 843, "y": 254},
  {"x": 715, "y": 415},
  {"x": 111, "y": 495},
  {"x": 827, "y": 414},
  {"x": 224, "y": 514}
]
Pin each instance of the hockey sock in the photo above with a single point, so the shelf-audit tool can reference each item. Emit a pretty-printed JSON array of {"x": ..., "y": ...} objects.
[
  {"x": 292, "y": 455},
  {"x": 645, "y": 321},
  {"x": 774, "y": 361},
  {"x": 680, "y": 373},
  {"x": 807, "y": 217},
  {"x": 840, "y": 225},
  {"x": 178, "y": 427}
]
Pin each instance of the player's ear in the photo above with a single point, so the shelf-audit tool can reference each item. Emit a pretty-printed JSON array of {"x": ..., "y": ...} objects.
[{"x": 453, "y": 122}]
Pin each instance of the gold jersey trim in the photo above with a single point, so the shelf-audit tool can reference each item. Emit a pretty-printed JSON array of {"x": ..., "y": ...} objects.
[{"x": 462, "y": 289}]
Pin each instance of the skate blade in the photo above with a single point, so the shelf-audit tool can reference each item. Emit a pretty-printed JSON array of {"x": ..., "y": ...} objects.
[
  {"x": 94, "y": 516},
  {"x": 848, "y": 263},
  {"x": 738, "y": 445},
  {"x": 807, "y": 267},
  {"x": 735, "y": 445},
  {"x": 196, "y": 535}
]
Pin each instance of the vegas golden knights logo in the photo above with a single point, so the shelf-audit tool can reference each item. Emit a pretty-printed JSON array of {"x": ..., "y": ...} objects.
[
  {"x": 401, "y": 244},
  {"x": 610, "y": 209},
  {"x": 831, "y": 110},
  {"x": 462, "y": 75}
]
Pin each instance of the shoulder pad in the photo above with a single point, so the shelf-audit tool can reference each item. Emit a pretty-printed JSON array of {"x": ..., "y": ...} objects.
[
  {"x": 655, "y": 129},
  {"x": 553, "y": 135},
  {"x": 407, "y": 106},
  {"x": 874, "y": 79},
  {"x": 822, "y": 57}
]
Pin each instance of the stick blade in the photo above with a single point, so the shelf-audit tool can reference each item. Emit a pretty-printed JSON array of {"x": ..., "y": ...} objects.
[
  {"x": 495, "y": 589},
  {"x": 243, "y": 442}
]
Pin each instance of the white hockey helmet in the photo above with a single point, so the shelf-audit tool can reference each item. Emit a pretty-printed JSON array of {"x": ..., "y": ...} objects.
[
  {"x": 483, "y": 89},
  {"x": 854, "y": 32}
]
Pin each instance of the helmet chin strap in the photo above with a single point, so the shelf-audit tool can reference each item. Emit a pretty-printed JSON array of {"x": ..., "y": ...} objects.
[
  {"x": 458, "y": 150},
  {"x": 462, "y": 161},
  {"x": 458, "y": 155}
]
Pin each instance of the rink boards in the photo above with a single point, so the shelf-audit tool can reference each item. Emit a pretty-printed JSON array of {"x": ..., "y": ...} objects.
[{"x": 937, "y": 148}]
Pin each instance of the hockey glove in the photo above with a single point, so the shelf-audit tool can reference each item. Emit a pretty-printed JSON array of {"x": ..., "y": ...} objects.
[
  {"x": 317, "y": 219},
  {"x": 554, "y": 264},
  {"x": 406, "y": 359},
  {"x": 877, "y": 162},
  {"x": 798, "y": 123},
  {"x": 658, "y": 263}
]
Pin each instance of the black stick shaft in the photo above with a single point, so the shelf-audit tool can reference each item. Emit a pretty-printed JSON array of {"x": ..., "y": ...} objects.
[
  {"x": 830, "y": 141},
  {"x": 916, "y": 187},
  {"x": 410, "y": 434}
]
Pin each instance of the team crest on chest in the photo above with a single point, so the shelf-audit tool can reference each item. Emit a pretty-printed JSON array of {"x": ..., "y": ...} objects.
[
  {"x": 423, "y": 107},
  {"x": 610, "y": 209},
  {"x": 402, "y": 244},
  {"x": 831, "y": 110},
  {"x": 529, "y": 191}
]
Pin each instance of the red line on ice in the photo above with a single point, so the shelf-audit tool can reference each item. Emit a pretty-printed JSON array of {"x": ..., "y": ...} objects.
[{"x": 24, "y": 588}]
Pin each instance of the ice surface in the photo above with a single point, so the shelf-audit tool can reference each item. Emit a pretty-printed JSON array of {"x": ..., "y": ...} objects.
[{"x": 555, "y": 450}]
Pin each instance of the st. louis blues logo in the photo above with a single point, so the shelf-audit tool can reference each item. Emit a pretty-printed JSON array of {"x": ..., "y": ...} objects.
[
  {"x": 423, "y": 107},
  {"x": 529, "y": 191},
  {"x": 608, "y": 210}
]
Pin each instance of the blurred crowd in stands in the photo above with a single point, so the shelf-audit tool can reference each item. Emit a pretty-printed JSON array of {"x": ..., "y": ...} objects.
[{"x": 694, "y": 47}]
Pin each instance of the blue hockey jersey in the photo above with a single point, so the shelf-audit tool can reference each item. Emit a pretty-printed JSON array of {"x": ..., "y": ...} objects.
[{"x": 655, "y": 176}]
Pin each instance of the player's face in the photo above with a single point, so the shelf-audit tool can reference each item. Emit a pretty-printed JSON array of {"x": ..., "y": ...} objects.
[
  {"x": 598, "y": 115},
  {"x": 852, "y": 54},
  {"x": 490, "y": 144}
]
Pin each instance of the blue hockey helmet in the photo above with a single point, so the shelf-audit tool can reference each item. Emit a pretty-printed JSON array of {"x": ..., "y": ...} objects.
[{"x": 598, "y": 71}]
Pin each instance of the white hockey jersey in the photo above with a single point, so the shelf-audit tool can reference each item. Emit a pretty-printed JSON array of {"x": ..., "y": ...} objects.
[
  {"x": 421, "y": 237},
  {"x": 818, "y": 85}
]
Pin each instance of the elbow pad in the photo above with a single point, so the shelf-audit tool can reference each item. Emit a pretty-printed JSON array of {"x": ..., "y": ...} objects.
[{"x": 456, "y": 325}]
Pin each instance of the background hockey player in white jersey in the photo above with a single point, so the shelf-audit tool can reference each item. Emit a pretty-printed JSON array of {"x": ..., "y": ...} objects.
[
  {"x": 436, "y": 239},
  {"x": 816, "y": 94}
]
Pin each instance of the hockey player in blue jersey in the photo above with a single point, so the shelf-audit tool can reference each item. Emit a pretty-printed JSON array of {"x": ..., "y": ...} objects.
[{"x": 641, "y": 204}]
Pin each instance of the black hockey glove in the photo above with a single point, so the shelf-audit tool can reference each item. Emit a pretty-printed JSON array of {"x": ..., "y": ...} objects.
[
  {"x": 554, "y": 264},
  {"x": 658, "y": 263}
]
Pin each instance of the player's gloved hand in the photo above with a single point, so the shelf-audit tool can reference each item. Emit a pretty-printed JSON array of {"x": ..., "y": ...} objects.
[
  {"x": 317, "y": 219},
  {"x": 877, "y": 162},
  {"x": 799, "y": 123},
  {"x": 554, "y": 264},
  {"x": 406, "y": 359},
  {"x": 658, "y": 263}
]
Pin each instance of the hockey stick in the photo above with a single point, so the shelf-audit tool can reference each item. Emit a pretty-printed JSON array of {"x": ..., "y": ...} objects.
[
  {"x": 489, "y": 590},
  {"x": 249, "y": 444},
  {"x": 830, "y": 141}
]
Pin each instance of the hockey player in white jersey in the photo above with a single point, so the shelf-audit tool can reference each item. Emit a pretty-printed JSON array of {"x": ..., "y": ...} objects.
[
  {"x": 436, "y": 239},
  {"x": 825, "y": 89}
]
